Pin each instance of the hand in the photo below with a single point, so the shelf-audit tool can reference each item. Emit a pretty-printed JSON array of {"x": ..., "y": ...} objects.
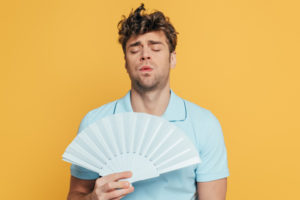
[{"x": 110, "y": 188}]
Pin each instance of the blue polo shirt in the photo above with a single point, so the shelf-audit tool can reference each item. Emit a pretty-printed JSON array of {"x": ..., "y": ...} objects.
[{"x": 200, "y": 125}]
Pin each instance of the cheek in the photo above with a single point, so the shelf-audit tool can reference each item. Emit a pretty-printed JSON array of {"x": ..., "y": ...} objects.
[
  {"x": 128, "y": 64},
  {"x": 131, "y": 66},
  {"x": 132, "y": 60},
  {"x": 165, "y": 61}
]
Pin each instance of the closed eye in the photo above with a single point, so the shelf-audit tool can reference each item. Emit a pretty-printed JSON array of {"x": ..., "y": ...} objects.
[
  {"x": 156, "y": 50},
  {"x": 156, "y": 46},
  {"x": 134, "y": 50}
]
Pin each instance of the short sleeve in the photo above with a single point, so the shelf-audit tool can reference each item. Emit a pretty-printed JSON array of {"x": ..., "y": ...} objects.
[
  {"x": 80, "y": 172},
  {"x": 212, "y": 152}
]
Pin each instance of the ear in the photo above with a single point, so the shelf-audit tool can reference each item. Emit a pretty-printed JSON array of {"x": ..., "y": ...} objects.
[{"x": 173, "y": 60}]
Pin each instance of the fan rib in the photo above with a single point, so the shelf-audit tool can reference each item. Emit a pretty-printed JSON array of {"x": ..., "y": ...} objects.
[
  {"x": 132, "y": 138},
  {"x": 152, "y": 139},
  {"x": 142, "y": 136},
  {"x": 85, "y": 155},
  {"x": 132, "y": 121},
  {"x": 115, "y": 133},
  {"x": 121, "y": 130},
  {"x": 93, "y": 146},
  {"x": 109, "y": 129},
  {"x": 180, "y": 165},
  {"x": 77, "y": 161},
  {"x": 100, "y": 138},
  {"x": 113, "y": 124},
  {"x": 172, "y": 158},
  {"x": 161, "y": 142},
  {"x": 167, "y": 150}
]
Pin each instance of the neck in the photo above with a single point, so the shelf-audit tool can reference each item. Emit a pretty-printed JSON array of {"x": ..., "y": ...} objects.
[{"x": 152, "y": 102}]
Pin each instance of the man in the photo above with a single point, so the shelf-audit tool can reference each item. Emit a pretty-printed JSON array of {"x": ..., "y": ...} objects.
[{"x": 149, "y": 42}]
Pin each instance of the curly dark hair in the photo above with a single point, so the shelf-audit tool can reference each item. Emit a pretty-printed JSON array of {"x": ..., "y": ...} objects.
[{"x": 139, "y": 23}]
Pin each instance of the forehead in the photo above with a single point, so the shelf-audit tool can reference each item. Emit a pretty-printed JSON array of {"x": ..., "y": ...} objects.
[{"x": 153, "y": 35}]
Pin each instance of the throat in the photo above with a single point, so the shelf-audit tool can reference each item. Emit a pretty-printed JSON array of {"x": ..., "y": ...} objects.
[{"x": 154, "y": 103}]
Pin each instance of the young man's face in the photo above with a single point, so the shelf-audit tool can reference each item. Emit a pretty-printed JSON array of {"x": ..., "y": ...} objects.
[{"x": 148, "y": 60}]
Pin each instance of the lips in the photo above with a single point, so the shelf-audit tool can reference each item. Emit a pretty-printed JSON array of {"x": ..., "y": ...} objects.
[{"x": 146, "y": 68}]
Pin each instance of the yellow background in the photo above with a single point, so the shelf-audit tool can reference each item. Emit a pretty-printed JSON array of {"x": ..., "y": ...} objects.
[{"x": 238, "y": 58}]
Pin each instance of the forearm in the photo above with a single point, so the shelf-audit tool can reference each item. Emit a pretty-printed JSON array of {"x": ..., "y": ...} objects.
[
  {"x": 212, "y": 190},
  {"x": 79, "y": 196}
]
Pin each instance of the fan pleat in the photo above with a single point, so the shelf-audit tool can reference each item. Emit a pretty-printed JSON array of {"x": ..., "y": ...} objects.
[
  {"x": 92, "y": 147},
  {"x": 103, "y": 145},
  {"x": 108, "y": 132},
  {"x": 78, "y": 161},
  {"x": 143, "y": 132},
  {"x": 167, "y": 150},
  {"x": 179, "y": 165},
  {"x": 160, "y": 143},
  {"x": 150, "y": 143},
  {"x": 120, "y": 129},
  {"x": 132, "y": 131},
  {"x": 85, "y": 156},
  {"x": 173, "y": 158}
]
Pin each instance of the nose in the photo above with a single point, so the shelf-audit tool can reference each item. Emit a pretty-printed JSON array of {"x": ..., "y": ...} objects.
[{"x": 145, "y": 55}]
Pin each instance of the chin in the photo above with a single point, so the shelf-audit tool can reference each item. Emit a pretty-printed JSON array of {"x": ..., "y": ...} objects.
[{"x": 146, "y": 87}]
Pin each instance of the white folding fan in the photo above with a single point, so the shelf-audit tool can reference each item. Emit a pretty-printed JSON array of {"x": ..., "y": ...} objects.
[{"x": 144, "y": 144}]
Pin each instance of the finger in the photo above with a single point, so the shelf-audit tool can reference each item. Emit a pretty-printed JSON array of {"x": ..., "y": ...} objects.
[
  {"x": 115, "y": 185},
  {"x": 119, "y": 193},
  {"x": 113, "y": 177},
  {"x": 118, "y": 198}
]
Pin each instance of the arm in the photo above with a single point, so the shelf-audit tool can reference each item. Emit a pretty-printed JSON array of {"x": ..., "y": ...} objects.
[
  {"x": 212, "y": 190},
  {"x": 80, "y": 189},
  {"x": 104, "y": 188}
]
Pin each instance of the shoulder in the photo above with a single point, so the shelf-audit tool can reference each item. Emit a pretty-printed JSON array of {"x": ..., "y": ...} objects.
[
  {"x": 96, "y": 114},
  {"x": 199, "y": 114},
  {"x": 205, "y": 124},
  {"x": 210, "y": 143}
]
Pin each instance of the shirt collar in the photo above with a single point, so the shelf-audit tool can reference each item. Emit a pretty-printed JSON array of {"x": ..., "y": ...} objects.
[{"x": 176, "y": 110}]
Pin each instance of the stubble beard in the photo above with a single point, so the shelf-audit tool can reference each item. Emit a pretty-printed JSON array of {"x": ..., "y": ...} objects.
[{"x": 143, "y": 86}]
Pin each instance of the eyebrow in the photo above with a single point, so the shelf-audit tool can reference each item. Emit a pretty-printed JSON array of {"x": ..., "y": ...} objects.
[
  {"x": 139, "y": 43},
  {"x": 155, "y": 42},
  {"x": 135, "y": 44}
]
